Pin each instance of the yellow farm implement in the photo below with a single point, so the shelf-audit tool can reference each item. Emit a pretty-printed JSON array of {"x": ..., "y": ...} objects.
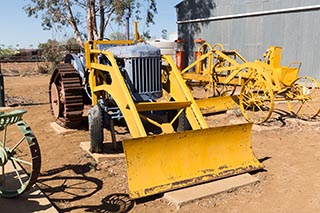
[{"x": 262, "y": 82}]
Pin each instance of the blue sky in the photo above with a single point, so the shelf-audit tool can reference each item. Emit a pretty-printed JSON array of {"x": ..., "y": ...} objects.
[{"x": 20, "y": 31}]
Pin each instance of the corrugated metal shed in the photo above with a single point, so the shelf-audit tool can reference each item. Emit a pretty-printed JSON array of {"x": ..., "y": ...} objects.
[{"x": 251, "y": 26}]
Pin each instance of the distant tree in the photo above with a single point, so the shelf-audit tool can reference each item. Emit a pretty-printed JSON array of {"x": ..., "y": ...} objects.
[
  {"x": 73, "y": 46},
  {"x": 76, "y": 13},
  {"x": 117, "y": 36},
  {"x": 146, "y": 35},
  {"x": 52, "y": 51},
  {"x": 6, "y": 52},
  {"x": 164, "y": 34}
]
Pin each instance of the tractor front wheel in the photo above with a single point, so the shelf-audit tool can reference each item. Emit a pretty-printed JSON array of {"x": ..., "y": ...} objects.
[{"x": 95, "y": 119}]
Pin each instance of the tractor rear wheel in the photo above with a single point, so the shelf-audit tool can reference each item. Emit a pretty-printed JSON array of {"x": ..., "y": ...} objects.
[
  {"x": 65, "y": 94},
  {"x": 95, "y": 119}
]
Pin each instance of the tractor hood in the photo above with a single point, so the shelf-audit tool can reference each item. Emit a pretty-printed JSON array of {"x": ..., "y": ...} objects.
[{"x": 135, "y": 51}]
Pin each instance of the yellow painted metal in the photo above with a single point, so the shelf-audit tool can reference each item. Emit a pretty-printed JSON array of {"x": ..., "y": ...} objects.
[
  {"x": 262, "y": 82},
  {"x": 137, "y": 36},
  {"x": 256, "y": 100},
  {"x": 149, "y": 106},
  {"x": 286, "y": 75},
  {"x": 177, "y": 88},
  {"x": 161, "y": 163},
  {"x": 218, "y": 104},
  {"x": 304, "y": 98},
  {"x": 229, "y": 67},
  {"x": 273, "y": 56},
  {"x": 118, "y": 90},
  {"x": 195, "y": 156}
]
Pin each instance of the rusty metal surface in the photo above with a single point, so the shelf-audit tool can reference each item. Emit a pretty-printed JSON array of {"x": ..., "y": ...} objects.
[{"x": 69, "y": 87}]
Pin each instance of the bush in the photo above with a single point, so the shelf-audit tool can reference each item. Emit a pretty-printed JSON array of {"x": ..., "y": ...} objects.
[{"x": 45, "y": 68}]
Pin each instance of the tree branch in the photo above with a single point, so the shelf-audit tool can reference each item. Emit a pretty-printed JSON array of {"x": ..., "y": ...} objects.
[
  {"x": 73, "y": 23},
  {"x": 108, "y": 19},
  {"x": 101, "y": 9}
]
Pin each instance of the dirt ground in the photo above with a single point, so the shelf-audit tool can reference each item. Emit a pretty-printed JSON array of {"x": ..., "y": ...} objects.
[{"x": 74, "y": 182}]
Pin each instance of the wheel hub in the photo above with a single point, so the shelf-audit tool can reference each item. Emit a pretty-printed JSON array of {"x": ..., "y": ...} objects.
[{"x": 55, "y": 100}]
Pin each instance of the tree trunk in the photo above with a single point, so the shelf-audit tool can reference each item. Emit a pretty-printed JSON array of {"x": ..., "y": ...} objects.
[
  {"x": 94, "y": 20},
  {"x": 89, "y": 20},
  {"x": 101, "y": 9},
  {"x": 73, "y": 24},
  {"x": 106, "y": 22}
]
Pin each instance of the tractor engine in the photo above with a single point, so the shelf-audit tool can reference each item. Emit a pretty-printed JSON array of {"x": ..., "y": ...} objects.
[{"x": 140, "y": 66}]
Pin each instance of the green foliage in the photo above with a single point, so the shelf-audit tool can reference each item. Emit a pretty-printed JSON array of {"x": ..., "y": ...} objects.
[
  {"x": 52, "y": 51},
  {"x": 73, "y": 46},
  {"x": 44, "y": 68},
  {"x": 7, "y": 52},
  {"x": 135, "y": 7},
  {"x": 84, "y": 15},
  {"x": 52, "y": 13},
  {"x": 146, "y": 35},
  {"x": 117, "y": 36},
  {"x": 164, "y": 34}
]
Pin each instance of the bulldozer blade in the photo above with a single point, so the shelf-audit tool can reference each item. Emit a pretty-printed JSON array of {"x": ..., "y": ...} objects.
[{"x": 161, "y": 163}]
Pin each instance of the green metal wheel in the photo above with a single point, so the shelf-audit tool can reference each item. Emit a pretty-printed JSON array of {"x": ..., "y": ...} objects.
[{"x": 20, "y": 159}]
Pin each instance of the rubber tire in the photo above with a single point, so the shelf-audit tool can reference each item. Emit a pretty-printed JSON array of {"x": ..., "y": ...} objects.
[
  {"x": 183, "y": 123},
  {"x": 95, "y": 119}
]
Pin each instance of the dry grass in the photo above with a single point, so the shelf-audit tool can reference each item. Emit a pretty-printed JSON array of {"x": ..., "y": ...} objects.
[{"x": 24, "y": 68}]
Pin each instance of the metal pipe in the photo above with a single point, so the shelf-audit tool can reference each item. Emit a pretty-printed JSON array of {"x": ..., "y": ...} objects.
[{"x": 245, "y": 15}]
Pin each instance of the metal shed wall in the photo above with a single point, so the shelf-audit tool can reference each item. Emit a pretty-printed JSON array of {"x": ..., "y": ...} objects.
[{"x": 297, "y": 31}]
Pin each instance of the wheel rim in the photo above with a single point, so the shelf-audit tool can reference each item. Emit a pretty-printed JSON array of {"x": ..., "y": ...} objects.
[
  {"x": 256, "y": 101},
  {"x": 55, "y": 101},
  {"x": 304, "y": 98},
  {"x": 20, "y": 160}
]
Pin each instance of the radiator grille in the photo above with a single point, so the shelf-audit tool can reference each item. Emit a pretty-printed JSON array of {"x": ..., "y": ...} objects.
[{"x": 146, "y": 77}]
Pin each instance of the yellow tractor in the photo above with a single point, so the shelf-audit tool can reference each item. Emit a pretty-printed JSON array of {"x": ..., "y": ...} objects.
[{"x": 131, "y": 80}]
